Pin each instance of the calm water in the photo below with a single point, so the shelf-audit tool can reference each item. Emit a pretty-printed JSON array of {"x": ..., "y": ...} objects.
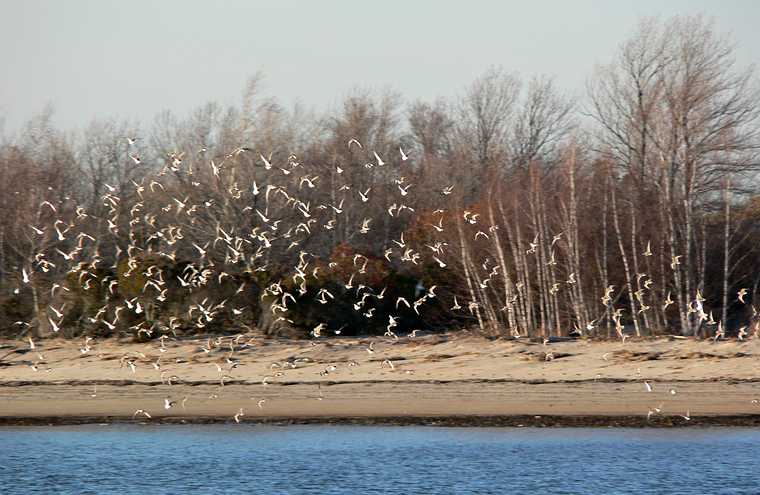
[{"x": 324, "y": 460}]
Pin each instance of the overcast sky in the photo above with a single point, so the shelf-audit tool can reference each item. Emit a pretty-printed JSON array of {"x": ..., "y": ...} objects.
[{"x": 132, "y": 59}]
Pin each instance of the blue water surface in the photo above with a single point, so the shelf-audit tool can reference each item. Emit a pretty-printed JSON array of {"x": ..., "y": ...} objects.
[{"x": 199, "y": 459}]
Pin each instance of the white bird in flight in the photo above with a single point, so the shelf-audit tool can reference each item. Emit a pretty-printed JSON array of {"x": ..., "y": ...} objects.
[
  {"x": 380, "y": 161},
  {"x": 238, "y": 415}
]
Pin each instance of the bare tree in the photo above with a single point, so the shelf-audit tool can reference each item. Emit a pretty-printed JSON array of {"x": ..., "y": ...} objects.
[
  {"x": 543, "y": 121},
  {"x": 484, "y": 115}
]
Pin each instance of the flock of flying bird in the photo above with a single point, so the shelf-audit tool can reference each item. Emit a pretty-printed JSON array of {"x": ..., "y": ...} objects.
[
  {"x": 285, "y": 218},
  {"x": 161, "y": 234}
]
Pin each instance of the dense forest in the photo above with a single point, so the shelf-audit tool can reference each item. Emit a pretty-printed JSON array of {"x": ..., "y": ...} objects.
[{"x": 512, "y": 208}]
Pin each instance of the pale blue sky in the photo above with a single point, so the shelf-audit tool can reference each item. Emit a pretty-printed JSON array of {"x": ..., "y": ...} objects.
[{"x": 101, "y": 58}]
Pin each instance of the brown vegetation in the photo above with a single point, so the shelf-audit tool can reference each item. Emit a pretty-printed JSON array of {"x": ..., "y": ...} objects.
[{"x": 203, "y": 224}]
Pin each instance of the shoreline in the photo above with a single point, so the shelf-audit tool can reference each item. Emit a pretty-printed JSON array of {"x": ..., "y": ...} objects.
[
  {"x": 487, "y": 403},
  {"x": 445, "y": 380},
  {"x": 521, "y": 421}
]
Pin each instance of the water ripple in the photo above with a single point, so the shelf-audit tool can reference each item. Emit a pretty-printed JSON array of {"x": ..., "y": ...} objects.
[{"x": 350, "y": 460}]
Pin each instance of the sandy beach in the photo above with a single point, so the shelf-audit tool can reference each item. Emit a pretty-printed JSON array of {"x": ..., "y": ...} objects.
[{"x": 435, "y": 379}]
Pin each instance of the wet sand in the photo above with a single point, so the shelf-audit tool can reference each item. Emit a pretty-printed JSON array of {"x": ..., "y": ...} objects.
[{"x": 454, "y": 379}]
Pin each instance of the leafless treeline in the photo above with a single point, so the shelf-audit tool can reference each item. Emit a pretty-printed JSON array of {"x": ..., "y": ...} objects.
[{"x": 635, "y": 210}]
